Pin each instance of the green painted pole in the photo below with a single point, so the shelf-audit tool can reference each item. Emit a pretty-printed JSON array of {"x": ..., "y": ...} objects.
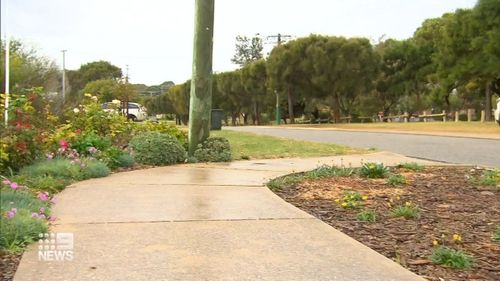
[{"x": 200, "y": 103}]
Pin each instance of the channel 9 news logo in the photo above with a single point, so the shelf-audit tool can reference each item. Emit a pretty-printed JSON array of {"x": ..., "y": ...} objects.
[{"x": 55, "y": 247}]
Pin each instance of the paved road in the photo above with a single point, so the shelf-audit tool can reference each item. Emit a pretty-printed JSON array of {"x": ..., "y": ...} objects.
[{"x": 459, "y": 150}]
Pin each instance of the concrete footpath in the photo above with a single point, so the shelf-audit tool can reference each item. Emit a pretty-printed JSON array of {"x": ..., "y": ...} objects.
[{"x": 205, "y": 222}]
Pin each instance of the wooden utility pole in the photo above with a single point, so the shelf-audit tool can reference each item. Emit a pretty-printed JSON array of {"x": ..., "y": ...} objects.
[{"x": 200, "y": 103}]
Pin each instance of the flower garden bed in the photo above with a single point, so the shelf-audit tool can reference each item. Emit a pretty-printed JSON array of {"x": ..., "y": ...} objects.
[{"x": 453, "y": 207}]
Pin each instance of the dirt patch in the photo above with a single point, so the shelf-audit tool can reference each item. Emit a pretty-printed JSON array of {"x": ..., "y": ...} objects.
[{"x": 448, "y": 202}]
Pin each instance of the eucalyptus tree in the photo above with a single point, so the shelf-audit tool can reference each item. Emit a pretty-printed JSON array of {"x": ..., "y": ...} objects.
[{"x": 253, "y": 79}]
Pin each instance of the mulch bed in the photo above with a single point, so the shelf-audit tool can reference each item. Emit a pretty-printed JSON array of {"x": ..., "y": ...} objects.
[
  {"x": 449, "y": 203},
  {"x": 8, "y": 264}
]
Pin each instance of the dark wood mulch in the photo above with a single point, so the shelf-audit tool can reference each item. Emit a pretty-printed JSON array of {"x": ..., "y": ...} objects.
[
  {"x": 449, "y": 202},
  {"x": 8, "y": 265}
]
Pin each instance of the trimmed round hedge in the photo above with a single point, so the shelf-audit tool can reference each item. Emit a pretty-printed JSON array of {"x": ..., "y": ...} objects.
[
  {"x": 213, "y": 150},
  {"x": 154, "y": 148}
]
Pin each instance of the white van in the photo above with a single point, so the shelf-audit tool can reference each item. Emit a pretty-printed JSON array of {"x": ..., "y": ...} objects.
[{"x": 136, "y": 112}]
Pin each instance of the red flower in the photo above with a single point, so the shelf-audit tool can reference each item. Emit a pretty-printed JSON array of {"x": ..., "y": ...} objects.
[{"x": 63, "y": 144}]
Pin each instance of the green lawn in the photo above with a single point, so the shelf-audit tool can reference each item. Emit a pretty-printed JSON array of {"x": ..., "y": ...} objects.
[{"x": 253, "y": 146}]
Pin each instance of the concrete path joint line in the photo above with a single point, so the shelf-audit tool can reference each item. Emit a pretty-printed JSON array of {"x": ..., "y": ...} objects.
[{"x": 194, "y": 220}]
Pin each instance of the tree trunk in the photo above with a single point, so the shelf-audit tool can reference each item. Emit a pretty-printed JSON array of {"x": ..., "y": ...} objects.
[
  {"x": 487, "y": 109},
  {"x": 256, "y": 112},
  {"x": 245, "y": 118},
  {"x": 233, "y": 118},
  {"x": 336, "y": 108},
  {"x": 290, "y": 107}
]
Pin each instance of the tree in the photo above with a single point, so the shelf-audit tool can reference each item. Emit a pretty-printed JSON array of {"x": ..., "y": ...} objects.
[
  {"x": 104, "y": 89},
  {"x": 28, "y": 69},
  {"x": 253, "y": 79},
  {"x": 247, "y": 50},
  {"x": 98, "y": 70},
  {"x": 287, "y": 74}
]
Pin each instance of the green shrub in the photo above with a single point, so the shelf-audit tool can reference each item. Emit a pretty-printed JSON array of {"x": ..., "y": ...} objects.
[
  {"x": 92, "y": 168},
  {"x": 161, "y": 127},
  {"x": 18, "y": 147},
  {"x": 44, "y": 183},
  {"x": 56, "y": 168},
  {"x": 84, "y": 141},
  {"x": 115, "y": 157},
  {"x": 20, "y": 200},
  {"x": 367, "y": 216},
  {"x": 451, "y": 258},
  {"x": 78, "y": 169},
  {"x": 396, "y": 180},
  {"x": 125, "y": 160},
  {"x": 412, "y": 166},
  {"x": 153, "y": 148},
  {"x": 22, "y": 228},
  {"x": 213, "y": 150},
  {"x": 374, "y": 170}
]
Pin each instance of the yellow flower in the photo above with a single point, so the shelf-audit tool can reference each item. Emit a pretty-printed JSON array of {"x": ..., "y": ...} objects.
[
  {"x": 87, "y": 95},
  {"x": 337, "y": 200},
  {"x": 344, "y": 204},
  {"x": 435, "y": 243},
  {"x": 407, "y": 204},
  {"x": 457, "y": 237},
  {"x": 364, "y": 197}
]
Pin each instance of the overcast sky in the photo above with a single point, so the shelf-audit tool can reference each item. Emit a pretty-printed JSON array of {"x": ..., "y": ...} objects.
[{"x": 154, "y": 37}]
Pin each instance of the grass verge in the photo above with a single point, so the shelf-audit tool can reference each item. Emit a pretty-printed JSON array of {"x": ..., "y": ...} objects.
[
  {"x": 253, "y": 146},
  {"x": 472, "y": 128}
]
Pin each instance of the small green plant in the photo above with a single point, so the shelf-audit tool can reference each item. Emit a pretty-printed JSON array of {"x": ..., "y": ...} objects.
[
  {"x": 154, "y": 148},
  {"x": 396, "y": 180},
  {"x": 490, "y": 178},
  {"x": 285, "y": 181},
  {"x": 496, "y": 234},
  {"x": 448, "y": 257},
  {"x": 407, "y": 211},
  {"x": 412, "y": 166},
  {"x": 325, "y": 171},
  {"x": 367, "y": 216},
  {"x": 373, "y": 170},
  {"x": 351, "y": 200},
  {"x": 213, "y": 150},
  {"x": 322, "y": 171}
]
